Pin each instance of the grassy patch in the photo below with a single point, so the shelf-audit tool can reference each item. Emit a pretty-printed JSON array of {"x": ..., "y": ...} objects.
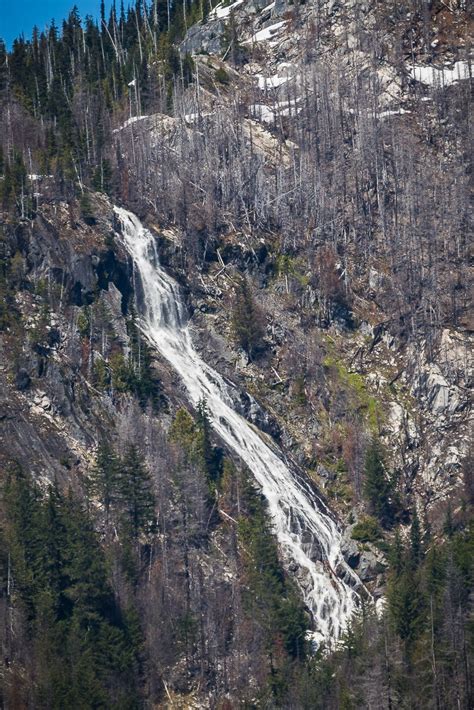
[{"x": 356, "y": 384}]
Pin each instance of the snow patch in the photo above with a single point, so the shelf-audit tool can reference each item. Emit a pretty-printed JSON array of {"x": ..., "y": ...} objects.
[
  {"x": 128, "y": 122},
  {"x": 392, "y": 112},
  {"x": 191, "y": 117},
  {"x": 262, "y": 113},
  {"x": 269, "y": 114},
  {"x": 271, "y": 82},
  {"x": 267, "y": 33},
  {"x": 444, "y": 76},
  {"x": 221, "y": 12}
]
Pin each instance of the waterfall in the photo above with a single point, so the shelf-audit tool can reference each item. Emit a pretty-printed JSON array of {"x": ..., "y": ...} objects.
[{"x": 308, "y": 536}]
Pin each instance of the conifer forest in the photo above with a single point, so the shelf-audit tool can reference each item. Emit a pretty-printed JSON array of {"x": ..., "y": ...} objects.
[{"x": 236, "y": 363}]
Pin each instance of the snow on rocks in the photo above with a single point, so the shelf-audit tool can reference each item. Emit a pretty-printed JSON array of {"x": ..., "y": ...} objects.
[
  {"x": 439, "y": 77},
  {"x": 128, "y": 122},
  {"x": 221, "y": 12},
  {"x": 262, "y": 113},
  {"x": 192, "y": 117},
  {"x": 271, "y": 82},
  {"x": 267, "y": 33},
  {"x": 399, "y": 111},
  {"x": 270, "y": 114},
  {"x": 392, "y": 112}
]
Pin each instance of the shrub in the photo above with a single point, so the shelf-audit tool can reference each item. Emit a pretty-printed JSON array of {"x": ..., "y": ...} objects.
[
  {"x": 366, "y": 530},
  {"x": 222, "y": 76}
]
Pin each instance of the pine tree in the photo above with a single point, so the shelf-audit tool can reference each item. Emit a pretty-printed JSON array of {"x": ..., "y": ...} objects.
[
  {"x": 103, "y": 482},
  {"x": 204, "y": 452},
  {"x": 24, "y": 512},
  {"x": 84, "y": 567},
  {"x": 137, "y": 498},
  {"x": 194, "y": 438},
  {"x": 83, "y": 653},
  {"x": 183, "y": 431},
  {"x": 397, "y": 554},
  {"x": 271, "y": 599},
  {"x": 448, "y": 526},
  {"x": 416, "y": 551},
  {"x": 406, "y": 606},
  {"x": 377, "y": 487},
  {"x": 247, "y": 320}
]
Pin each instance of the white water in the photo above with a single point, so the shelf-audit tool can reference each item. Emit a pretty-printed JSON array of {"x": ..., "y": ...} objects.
[{"x": 300, "y": 518}]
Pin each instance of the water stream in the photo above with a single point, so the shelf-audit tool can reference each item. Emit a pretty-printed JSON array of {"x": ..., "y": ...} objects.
[{"x": 309, "y": 538}]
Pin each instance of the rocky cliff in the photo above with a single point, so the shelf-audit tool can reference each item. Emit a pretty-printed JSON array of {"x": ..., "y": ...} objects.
[{"x": 304, "y": 171}]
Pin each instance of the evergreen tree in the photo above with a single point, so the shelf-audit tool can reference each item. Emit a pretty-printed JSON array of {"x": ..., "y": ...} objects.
[
  {"x": 396, "y": 555},
  {"x": 378, "y": 488},
  {"x": 142, "y": 378},
  {"x": 416, "y": 551},
  {"x": 183, "y": 431},
  {"x": 3, "y": 67},
  {"x": 24, "y": 511},
  {"x": 247, "y": 320},
  {"x": 271, "y": 599},
  {"x": 103, "y": 482},
  {"x": 102, "y": 177},
  {"x": 204, "y": 452},
  {"x": 83, "y": 654},
  {"x": 448, "y": 526},
  {"x": 194, "y": 438},
  {"x": 137, "y": 498},
  {"x": 406, "y": 605}
]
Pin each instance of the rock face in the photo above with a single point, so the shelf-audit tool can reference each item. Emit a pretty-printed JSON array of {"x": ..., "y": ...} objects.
[
  {"x": 52, "y": 413},
  {"x": 336, "y": 338},
  {"x": 370, "y": 566},
  {"x": 350, "y": 550},
  {"x": 413, "y": 383},
  {"x": 207, "y": 38}
]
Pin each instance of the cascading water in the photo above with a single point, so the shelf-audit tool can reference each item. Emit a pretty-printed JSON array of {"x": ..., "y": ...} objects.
[{"x": 307, "y": 534}]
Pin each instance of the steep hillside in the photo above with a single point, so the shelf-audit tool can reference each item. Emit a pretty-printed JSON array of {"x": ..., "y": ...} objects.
[{"x": 236, "y": 358}]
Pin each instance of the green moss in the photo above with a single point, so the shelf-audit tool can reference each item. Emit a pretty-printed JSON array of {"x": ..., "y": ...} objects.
[
  {"x": 285, "y": 265},
  {"x": 358, "y": 388},
  {"x": 341, "y": 468},
  {"x": 373, "y": 413},
  {"x": 120, "y": 372}
]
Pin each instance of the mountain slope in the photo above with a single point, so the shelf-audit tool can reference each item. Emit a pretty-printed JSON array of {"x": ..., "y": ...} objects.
[{"x": 302, "y": 172}]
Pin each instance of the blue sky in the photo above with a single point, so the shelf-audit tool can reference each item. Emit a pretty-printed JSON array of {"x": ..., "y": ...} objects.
[{"x": 19, "y": 16}]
